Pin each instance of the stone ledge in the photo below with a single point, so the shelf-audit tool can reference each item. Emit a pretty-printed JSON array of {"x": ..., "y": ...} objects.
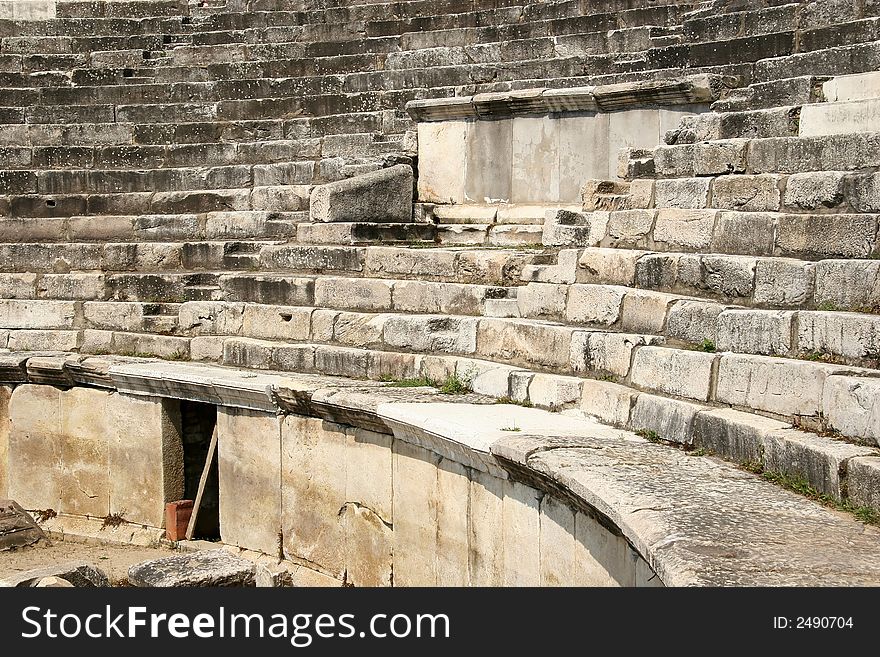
[
  {"x": 603, "y": 98},
  {"x": 678, "y": 511}
]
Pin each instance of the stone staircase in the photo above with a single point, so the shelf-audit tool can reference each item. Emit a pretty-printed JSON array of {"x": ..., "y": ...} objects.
[{"x": 159, "y": 160}]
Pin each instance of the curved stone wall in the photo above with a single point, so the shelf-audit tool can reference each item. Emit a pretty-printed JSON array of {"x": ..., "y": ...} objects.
[{"x": 365, "y": 508}]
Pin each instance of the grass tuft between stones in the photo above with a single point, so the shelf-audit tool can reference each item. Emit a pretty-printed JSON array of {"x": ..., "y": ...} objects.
[{"x": 452, "y": 385}]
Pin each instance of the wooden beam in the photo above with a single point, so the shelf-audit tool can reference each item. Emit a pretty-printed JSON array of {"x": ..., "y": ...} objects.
[{"x": 206, "y": 471}]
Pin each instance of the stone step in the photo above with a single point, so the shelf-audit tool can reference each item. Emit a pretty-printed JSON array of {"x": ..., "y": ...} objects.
[
  {"x": 818, "y": 336},
  {"x": 719, "y": 232},
  {"x": 121, "y": 133},
  {"x": 838, "y": 152},
  {"x": 839, "y": 192},
  {"x": 817, "y": 396},
  {"x": 749, "y": 124},
  {"x": 76, "y": 181},
  {"x": 493, "y": 267},
  {"x": 277, "y": 198},
  {"x": 837, "y": 60},
  {"x": 794, "y": 91},
  {"x": 780, "y": 283},
  {"x": 243, "y": 225},
  {"x": 164, "y": 156},
  {"x": 835, "y": 337}
]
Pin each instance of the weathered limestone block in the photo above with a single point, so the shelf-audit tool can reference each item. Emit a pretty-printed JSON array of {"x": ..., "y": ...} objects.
[
  {"x": 601, "y": 558},
  {"x": 353, "y": 293},
  {"x": 755, "y": 332},
  {"x": 668, "y": 419},
  {"x": 524, "y": 342},
  {"x": 452, "y": 545},
  {"x": 485, "y": 538},
  {"x": 32, "y": 314},
  {"x": 431, "y": 333},
  {"x": 593, "y": 304},
  {"x": 399, "y": 262},
  {"x": 728, "y": 276},
  {"x": 850, "y": 335},
  {"x": 342, "y": 361},
  {"x": 852, "y": 406},
  {"x": 604, "y": 353},
  {"x": 720, "y": 157},
  {"x": 557, "y": 543},
  {"x": 368, "y": 507},
  {"x": 17, "y": 527},
  {"x": 442, "y": 151},
  {"x": 35, "y": 447},
  {"x": 5, "y": 394},
  {"x": 203, "y": 568},
  {"x": 521, "y": 520},
  {"x": 359, "y": 329},
  {"x": 674, "y": 371},
  {"x": 85, "y": 433},
  {"x": 826, "y": 236},
  {"x": 609, "y": 266},
  {"x": 211, "y": 318},
  {"x": 783, "y": 282},
  {"x": 49, "y": 340},
  {"x": 554, "y": 391},
  {"x": 645, "y": 310},
  {"x": 863, "y": 481},
  {"x": 270, "y": 322},
  {"x": 785, "y": 387},
  {"x": 610, "y": 402},
  {"x": 815, "y": 189},
  {"x": 249, "y": 464},
  {"x": 313, "y": 492},
  {"x": 416, "y": 503},
  {"x": 684, "y": 230},
  {"x": 864, "y": 192},
  {"x": 817, "y": 459},
  {"x": 629, "y": 228},
  {"x": 74, "y": 573},
  {"x": 694, "y": 321},
  {"x": 744, "y": 233},
  {"x": 383, "y": 196},
  {"x": 746, "y": 193},
  {"x": 847, "y": 284},
  {"x": 537, "y": 300},
  {"x": 690, "y": 193},
  {"x": 145, "y": 456},
  {"x": 734, "y": 434}
]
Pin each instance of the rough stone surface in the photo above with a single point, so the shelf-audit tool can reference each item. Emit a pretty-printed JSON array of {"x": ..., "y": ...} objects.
[
  {"x": 76, "y": 574},
  {"x": 384, "y": 196},
  {"x": 17, "y": 527},
  {"x": 206, "y": 568}
]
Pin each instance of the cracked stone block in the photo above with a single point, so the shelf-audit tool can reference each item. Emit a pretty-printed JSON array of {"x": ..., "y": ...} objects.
[
  {"x": 852, "y": 406},
  {"x": 75, "y": 573},
  {"x": 205, "y": 568},
  {"x": 17, "y": 528}
]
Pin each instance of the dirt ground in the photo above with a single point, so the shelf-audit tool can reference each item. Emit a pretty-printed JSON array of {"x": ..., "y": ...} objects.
[{"x": 114, "y": 560}]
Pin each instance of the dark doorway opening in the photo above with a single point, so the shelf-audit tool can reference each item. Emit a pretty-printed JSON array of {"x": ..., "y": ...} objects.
[{"x": 197, "y": 422}]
